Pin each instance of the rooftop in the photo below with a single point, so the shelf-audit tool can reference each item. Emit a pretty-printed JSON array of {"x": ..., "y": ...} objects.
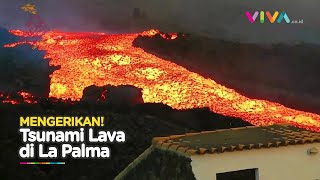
[{"x": 237, "y": 139}]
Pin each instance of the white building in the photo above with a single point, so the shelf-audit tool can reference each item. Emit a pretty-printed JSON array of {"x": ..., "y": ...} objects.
[{"x": 277, "y": 152}]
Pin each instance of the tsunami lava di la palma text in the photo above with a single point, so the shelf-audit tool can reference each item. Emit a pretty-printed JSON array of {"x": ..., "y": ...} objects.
[{"x": 66, "y": 137}]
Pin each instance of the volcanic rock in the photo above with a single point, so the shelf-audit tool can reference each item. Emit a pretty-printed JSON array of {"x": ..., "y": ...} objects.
[
  {"x": 116, "y": 96},
  {"x": 92, "y": 94},
  {"x": 198, "y": 119},
  {"x": 22, "y": 68}
]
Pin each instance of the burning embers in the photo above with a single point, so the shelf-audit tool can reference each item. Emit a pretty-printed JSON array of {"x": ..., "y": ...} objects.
[
  {"x": 21, "y": 97},
  {"x": 98, "y": 59}
]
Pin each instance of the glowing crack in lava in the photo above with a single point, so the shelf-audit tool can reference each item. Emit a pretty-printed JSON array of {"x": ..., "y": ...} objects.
[{"x": 100, "y": 59}]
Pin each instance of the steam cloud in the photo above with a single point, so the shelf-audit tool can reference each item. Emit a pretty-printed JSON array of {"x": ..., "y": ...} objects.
[{"x": 218, "y": 18}]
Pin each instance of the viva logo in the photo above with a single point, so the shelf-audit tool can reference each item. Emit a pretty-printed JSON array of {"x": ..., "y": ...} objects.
[{"x": 272, "y": 18}]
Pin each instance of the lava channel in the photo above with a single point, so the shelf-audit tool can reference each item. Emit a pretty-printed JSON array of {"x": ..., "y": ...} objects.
[{"x": 101, "y": 59}]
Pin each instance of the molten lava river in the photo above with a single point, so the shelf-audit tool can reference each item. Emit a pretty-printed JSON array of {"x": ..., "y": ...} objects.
[{"x": 100, "y": 59}]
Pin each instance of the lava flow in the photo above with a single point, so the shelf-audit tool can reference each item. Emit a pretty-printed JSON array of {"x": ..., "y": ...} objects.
[
  {"x": 100, "y": 59},
  {"x": 21, "y": 96}
]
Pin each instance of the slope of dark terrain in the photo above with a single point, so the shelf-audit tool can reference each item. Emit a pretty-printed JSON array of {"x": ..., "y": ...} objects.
[{"x": 288, "y": 74}]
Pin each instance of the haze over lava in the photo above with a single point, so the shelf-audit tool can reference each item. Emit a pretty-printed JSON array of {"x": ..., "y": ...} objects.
[{"x": 100, "y": 59}]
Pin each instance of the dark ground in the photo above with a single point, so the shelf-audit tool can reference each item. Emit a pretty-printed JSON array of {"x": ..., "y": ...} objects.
[
  {"x": 288, "y": 74},
  {"x": 22, "y": 68}
]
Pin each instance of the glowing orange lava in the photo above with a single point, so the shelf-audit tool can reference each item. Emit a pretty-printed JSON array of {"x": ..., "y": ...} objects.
[
  {"x": 100, "y": 59},
  {"x": 23, "y": 97}
]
